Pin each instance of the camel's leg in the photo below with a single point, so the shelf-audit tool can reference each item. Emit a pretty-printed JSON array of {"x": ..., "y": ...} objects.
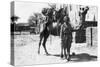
[
  {"x": 61, "y": 50},
  {"x": 44, "y": 44},
  {"x": 41, "y": 37}
]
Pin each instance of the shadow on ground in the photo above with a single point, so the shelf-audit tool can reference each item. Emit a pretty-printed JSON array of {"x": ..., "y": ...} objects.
[{"x": 79, "y": 57}]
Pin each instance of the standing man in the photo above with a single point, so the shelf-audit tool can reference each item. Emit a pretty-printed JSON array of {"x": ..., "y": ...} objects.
[
  {"x": 81, "y": 33},
  {"x": 82, "y": 15}
]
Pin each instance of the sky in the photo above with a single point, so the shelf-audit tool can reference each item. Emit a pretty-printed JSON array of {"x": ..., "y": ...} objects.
[{"x": 25, "y": 9}]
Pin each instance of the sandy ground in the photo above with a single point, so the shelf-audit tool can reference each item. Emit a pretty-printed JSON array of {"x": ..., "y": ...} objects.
[{"x": 26, "y": 51}]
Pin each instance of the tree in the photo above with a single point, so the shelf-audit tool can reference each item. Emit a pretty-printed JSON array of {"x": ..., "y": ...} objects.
[
  {"x": 34, "y": 19},
  {"x": 31, "y": 21},
  {"x": 13, "y": 24},
  {"x": 14, "y": 18}
]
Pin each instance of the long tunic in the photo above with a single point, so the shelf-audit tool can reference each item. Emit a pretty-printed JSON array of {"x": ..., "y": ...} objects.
[{"x": 66, "y": 35}]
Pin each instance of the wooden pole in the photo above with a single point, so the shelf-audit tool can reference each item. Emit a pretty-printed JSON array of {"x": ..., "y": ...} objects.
[
  {"x": 91, "y": 37},
  {"x": 92, "y": 33}
]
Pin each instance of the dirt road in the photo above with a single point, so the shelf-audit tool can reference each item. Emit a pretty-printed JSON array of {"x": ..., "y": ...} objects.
[{"x": 26, "y": 51}]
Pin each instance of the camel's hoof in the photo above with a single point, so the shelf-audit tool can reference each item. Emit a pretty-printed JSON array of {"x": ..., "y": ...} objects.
[
  {"x": 61, "y": 56},
  {"x": 68, "y": 59},
  {"x": 47, "y": 54},
  {"x": 73, "y": 54},
  {"x": 38, "y": 52}
]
